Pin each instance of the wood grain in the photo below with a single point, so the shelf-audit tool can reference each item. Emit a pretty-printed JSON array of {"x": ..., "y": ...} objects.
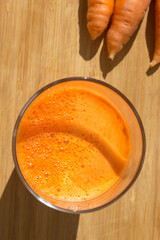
[{"x": 45, "y": 40}]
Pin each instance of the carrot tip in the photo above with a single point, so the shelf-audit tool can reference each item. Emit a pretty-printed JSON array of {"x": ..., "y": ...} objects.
[
  {"x": 152, "y": 64},
  {"x": 93, "y": 37},
  {"x": 111, "y": 56}
]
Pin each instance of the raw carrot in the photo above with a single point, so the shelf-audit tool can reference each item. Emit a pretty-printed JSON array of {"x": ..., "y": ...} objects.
[
  {"x": 156, "y": 57},
  {"x": 98, "y": 16},
  {"x": 127, "y": 15}
]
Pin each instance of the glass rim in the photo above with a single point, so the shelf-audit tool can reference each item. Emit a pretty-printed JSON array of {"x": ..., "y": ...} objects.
[{"x": 107, "y": 85}]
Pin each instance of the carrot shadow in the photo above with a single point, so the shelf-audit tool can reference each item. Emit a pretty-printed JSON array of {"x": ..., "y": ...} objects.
[
  {"x": 106, "y": 64},
  {"x": 24, "y": 217},
  {"x": 87, "y": 47},
  {"x": 150, "y": 36},
  {"x": 151, "y": 71}
]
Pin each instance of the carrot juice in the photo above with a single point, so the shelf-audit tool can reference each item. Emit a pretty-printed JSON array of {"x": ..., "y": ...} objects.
[{"x": 72, "y": 143}]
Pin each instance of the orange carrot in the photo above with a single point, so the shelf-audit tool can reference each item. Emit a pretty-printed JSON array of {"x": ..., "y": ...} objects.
[
  {"x": 156, "y": 57},
  {"x": 98, "y": 16},
  {"x": 127, "y": 15}
]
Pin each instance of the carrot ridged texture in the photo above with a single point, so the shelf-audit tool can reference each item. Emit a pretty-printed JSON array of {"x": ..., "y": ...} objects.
[
  {"x": 156, "y": 57},
  {"x": 98, "y": 16},
  {"x": 127, "y": 15}
]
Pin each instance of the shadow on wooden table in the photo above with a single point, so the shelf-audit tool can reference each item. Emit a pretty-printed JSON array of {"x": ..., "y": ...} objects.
[
  {"x": 23, "y": 217},
  {"x": 150, "y": 36}
]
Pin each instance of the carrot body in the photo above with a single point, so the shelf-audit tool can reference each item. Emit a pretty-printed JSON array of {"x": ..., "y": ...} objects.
[
  {"x": 127, "y": 15},
  {"x": 156, "y": 57},
  {"x": 98, "y": 16}
]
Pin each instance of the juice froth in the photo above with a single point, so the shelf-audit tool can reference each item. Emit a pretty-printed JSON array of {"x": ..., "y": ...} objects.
[{"x": 72, "y": 144}]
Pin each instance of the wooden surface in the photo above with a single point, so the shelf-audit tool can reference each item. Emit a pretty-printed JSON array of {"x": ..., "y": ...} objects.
[{"x": 44, "y": 40}]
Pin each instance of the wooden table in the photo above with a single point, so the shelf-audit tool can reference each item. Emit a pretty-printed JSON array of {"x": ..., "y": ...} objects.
[{"x": 45, "y": 40}]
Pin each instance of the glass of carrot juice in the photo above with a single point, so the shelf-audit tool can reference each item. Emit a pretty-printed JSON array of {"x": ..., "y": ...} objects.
[{"x": 78, "y": 145}]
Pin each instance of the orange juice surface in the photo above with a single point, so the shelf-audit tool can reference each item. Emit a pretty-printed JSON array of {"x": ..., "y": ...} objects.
[{"x": 72, "y": 144}]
